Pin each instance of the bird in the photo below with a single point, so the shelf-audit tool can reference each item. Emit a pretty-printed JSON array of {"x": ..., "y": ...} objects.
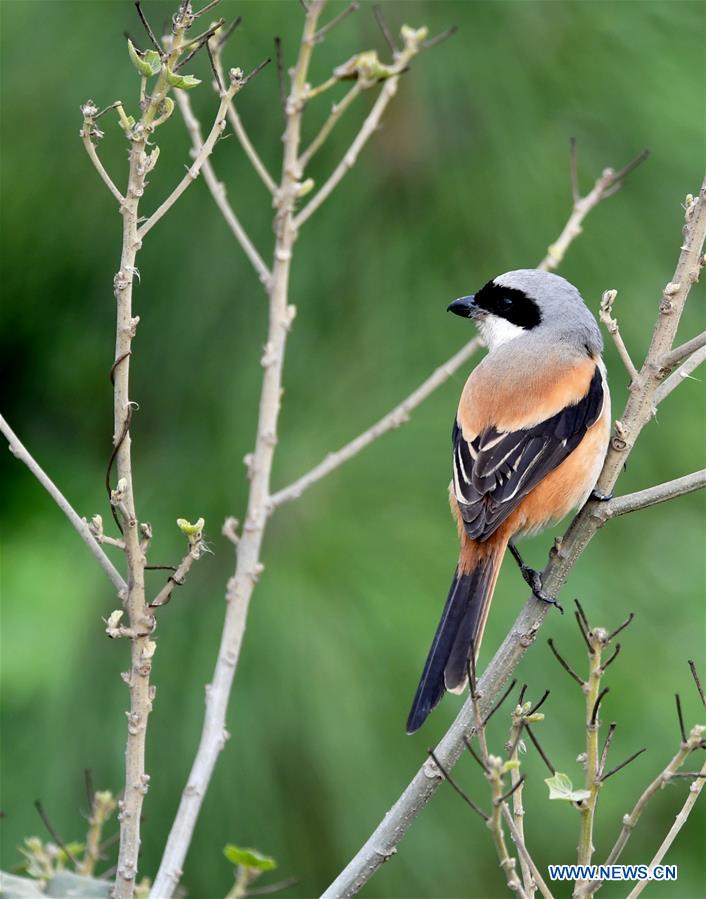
[{"x": 528, "y": 442}]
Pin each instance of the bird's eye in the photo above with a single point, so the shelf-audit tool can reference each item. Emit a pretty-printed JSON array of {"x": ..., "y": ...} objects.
[{"x": 504, "y": 303}]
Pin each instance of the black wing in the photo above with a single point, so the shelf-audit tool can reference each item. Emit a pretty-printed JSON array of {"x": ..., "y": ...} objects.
[{"x": 493, "y": 472}]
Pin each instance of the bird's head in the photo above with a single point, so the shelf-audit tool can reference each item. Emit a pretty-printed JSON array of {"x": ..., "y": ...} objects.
[{"x": 529, "y": 301}]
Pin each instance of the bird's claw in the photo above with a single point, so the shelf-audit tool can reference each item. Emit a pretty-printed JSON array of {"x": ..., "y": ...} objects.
[
  {"x": 534, "y": 579},
  {"x": 600, "y": 497}
]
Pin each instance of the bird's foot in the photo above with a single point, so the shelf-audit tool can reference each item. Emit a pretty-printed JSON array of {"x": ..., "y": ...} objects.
[
  {"x": 600, "y": 497},
  {"x": 534, "y": 579}
]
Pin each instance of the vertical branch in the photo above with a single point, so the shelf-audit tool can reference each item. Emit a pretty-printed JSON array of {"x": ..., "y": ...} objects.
[
  {"x": 592, "y": 689},
  {"x": 248, "y": 565},
  {"x": 142, "y": 647}
]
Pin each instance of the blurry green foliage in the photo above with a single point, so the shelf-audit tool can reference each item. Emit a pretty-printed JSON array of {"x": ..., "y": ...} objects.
[{"x": 468, "y": 178}]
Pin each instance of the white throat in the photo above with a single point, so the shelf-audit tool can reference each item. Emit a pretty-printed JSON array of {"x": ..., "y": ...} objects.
[{"x": 496, "y": 331}]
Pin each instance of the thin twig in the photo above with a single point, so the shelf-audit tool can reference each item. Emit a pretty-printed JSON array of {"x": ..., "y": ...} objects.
[
  {"x": 337, "y": 111},
  {"x": 597, "y": 703},
  {"x": 606, "y": 747},
  {"x": 225, "y": 37},
  {"x": 195, "y": 168},
  {"x": 200, "y": 41},
  {"x": 474, "y": 754},
  {"x": 564, "y": 664},
  {"x": 457, "y": 788},
  {"x": 680, "y": 717},
  {"x": 582, "y": 616},
  {"x": 394, "y": 419},
  {"x": 538, "y": 705},
  {"x": 677, "y": 377},
  {"x": 538, "y": 747},
  {"x": 583, "y": 633},
  {"x": 439, "y": 38},
  {"x": 619, "y": 767},
  {"x": 273, "y": 887},
  {"x": 150, "y": 34},
  {"x": 682, "y": 352},
  {"x": 177, "y": 579},
  {"x": 611, "y": 659},
  {"x": 651, "y": 496},
  {"x": 606, "y": 316},
  {"x": 600, "y": 191},
  {"x": 384, "y": 28},
  {"x": 241, "y": 134},
  {"x": 280, "y": 73},
  {"x": 206, "y": 8},
  {"x": 20, "y": 452},
  {"x": 370, "y": 125},
  {"x": 218, "y": 191},
  {"x": 86, "y": 132},
  {"x": 510, "y": 688},
  {"x": 524, "y": 854},
  {"x": 352, "y": 7},
  {"x": 619, "y": 628},
  {"x": 53, "y": 832},
  {"x": 697, "y": 681},
  {"x": 509, "y": 792}
]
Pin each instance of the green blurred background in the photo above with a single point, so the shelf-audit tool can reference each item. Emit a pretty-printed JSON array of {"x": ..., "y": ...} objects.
[{"x": 468, "y": 178}]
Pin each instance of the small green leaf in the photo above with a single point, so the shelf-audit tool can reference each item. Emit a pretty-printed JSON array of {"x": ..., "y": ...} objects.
[
  {"x": 560, "y": 787},
  {"x": 146, "y": 64},
  {"x": 190, "y": 529},
  {"x": 249, "y": 858},
  {"x": 511, "y": 765},
  {"x": 185, "y": 82}
]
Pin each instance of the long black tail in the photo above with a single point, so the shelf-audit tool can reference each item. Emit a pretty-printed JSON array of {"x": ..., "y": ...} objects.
[{"x": 461, "y": 626}]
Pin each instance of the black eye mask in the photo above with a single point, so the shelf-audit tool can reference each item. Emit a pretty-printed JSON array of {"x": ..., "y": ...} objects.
[{"x": 509, "y": 303}]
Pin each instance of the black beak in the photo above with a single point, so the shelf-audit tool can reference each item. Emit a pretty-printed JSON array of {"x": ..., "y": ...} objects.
[{"x": 464, "y": 306}]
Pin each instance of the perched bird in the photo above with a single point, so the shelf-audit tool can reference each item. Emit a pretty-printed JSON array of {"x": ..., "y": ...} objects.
[{"x": 529, "y": 440}]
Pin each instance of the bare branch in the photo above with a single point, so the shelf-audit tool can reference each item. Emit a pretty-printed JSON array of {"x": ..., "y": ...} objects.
[
  {"x": 697, "y": 681},
  {"x": 150, "y": 34},
  {"x": 564, "y": 664},
  {"x": 611, "y": 325},
  {"x": 195, "y": 168},
  {"x": 394, "y": 419},
  {"x": 632, "y": 502},
  {"x": 524, "y": 853},
  {"x": 677, "y": 377},
  {"x": 177, "y": 579},
  {"x": 81, "y": 526},
  {"x": 439, "y": 38},
  {"x": 682, "y": 352},
  {"x": 225, "y": 37},
  {"x": 248, "y": 566},
  {"x": 241, "y": 134},
  {"x": 600, "y": 191},
  {"x": 501, "y": 700},
  {"x": 370, "y": 125},
  {"x": 630, "y": 758},
  {"x": 384, "y": 28},
  {"x": 337, "y": 111},
  {"x": 218, "y": 191},
  {"x": 479, "y": 811},
  {"x": 89, "y": 130},
  {"x": 280, "y": 73},
  {"x": 540, "y": 750},
  {"x": 352, "y": 7},
  {"x": 630, "y": 820}
]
